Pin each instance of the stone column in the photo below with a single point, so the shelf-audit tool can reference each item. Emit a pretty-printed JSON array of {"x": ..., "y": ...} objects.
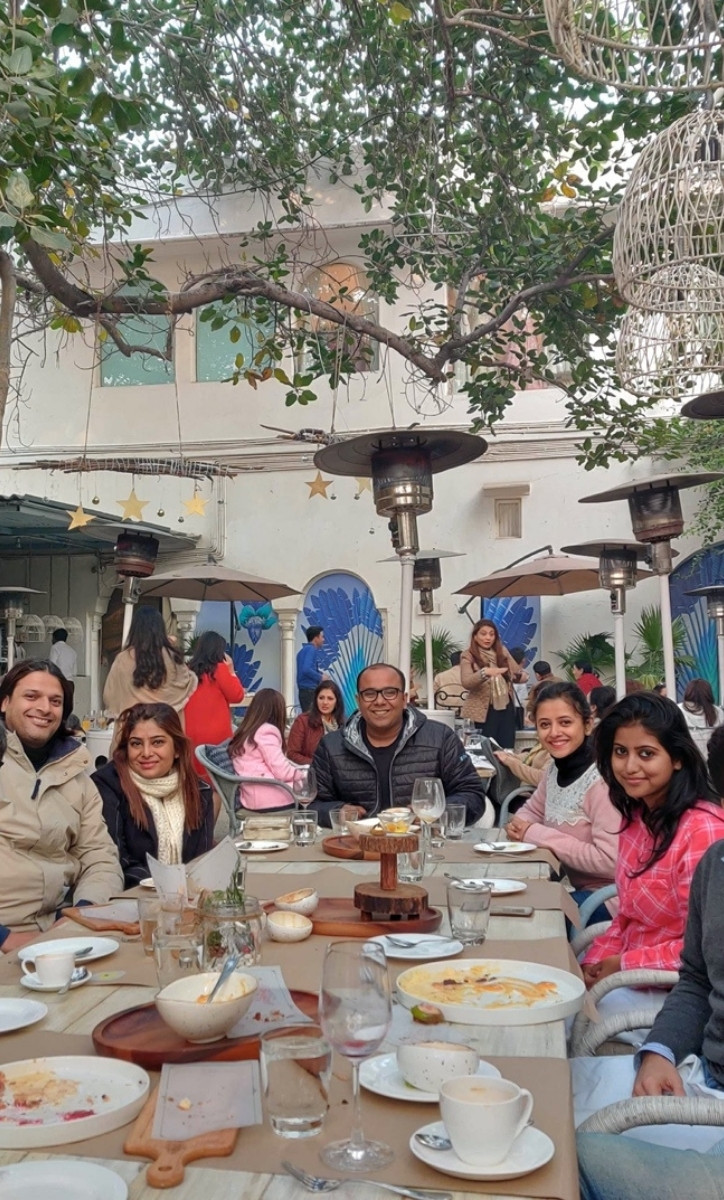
[{"x": 288, "y": 626}]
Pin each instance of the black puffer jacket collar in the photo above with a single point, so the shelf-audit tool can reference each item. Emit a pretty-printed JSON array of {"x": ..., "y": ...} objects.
[{"x": 353, "y": 739}]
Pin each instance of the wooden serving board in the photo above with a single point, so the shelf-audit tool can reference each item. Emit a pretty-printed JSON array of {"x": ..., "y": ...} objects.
[
  {"x": 346, "y": 846},
  {"x": 139, "y": 1035},
  {"x": 340, "y": 918},
  {"x": 170, "y": 1158}
]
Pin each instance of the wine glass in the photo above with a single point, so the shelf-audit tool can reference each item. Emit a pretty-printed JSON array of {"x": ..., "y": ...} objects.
[
  {"x": 304, "y": 786},
  {"x": 355, "y": 1013},
  {"x": 428, "y": 803}
]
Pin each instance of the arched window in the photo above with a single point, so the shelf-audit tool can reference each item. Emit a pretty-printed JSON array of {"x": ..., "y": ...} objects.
[{"x": 337, "y": 348}]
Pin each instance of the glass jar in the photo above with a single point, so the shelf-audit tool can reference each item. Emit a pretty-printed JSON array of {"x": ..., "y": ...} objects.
[{"x": 231, "y": 929}]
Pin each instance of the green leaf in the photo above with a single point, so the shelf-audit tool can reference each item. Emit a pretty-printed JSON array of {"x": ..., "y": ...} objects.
[
  {"x": 18, "y": 190},
  {"x": 399, "y": 12},
  {"x": 52, "y": 239},
  {"x": 20, "y": 61}
]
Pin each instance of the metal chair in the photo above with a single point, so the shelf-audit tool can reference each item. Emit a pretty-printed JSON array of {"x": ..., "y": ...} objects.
[
  {"x": 521, "y": 793},
  {"x": 450, "y": 698},
  {"x": 216, "y": 760}
]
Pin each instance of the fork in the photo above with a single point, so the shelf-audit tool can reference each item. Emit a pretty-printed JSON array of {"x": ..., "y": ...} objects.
[
  {"x": 316, "y": 1183},
  {"x": 406, "y": 944}
]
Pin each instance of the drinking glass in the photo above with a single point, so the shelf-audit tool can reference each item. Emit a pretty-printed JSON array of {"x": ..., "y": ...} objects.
[
  {"x": 453, "y": 821},
  {"x": 469, "y": 910},
  {"x": 304, "y": 828},
  {"x": 411, "y": 867},
  {"x": 428, "y": 803},
  {"x": 304, "y": 785},
  {"x": 355, "y": 1014},
  {"x": 149, "y": 911},
  {"x": 296, "y": 1067}
]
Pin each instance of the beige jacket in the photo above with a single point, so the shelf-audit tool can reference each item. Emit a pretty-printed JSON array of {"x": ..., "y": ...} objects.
[
  {"x": 120, "y": 692},
  {"x": 475, "y": 707},
  {"x": 54, "y": 845}
]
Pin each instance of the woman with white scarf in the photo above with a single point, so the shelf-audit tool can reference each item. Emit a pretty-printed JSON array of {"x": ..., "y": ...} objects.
[
  {"x": 153, "y": 801},
  {"x": 325, "y": 715}
]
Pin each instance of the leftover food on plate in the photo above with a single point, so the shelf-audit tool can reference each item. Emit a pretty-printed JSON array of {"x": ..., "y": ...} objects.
[{"x": 487, "y": 985}]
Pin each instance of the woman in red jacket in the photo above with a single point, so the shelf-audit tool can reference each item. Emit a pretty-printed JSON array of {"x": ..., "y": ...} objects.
[
  {"x": 325, "y": 715},
  {"x": 207, "y": 716}
]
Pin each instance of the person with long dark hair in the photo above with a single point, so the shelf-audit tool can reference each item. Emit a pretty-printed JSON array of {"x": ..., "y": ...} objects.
[
  {"x": 55, "y": 849},
  {"x": 570, "y": 811},
  {"x": 488, "y": 671},
  {"x": 153, "y": 802},
  {"x": 325, "y": 715},
  {"x": 207, "y": 717},
  {"x": 150, "y": 670},
  {"x": 658, "y": 784},
  {"x": 701, "y": 714},
  {"x": 257, "y": 750}
]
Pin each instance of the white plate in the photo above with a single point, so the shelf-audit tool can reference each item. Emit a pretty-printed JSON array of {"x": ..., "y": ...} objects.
[
  {"x": 381, "y": 1075},
  {"x": 422, "y": 946},
  {"x": 31, "y": 981},
  {"x": 533, "y": 1149},
  {"x": 99, "y": 948},
  {"x": 505, "y": 847},
  {"x": 147, "y": 883},
  {"x": 261, "y": 847},
  {"x": 490, "y": 1008},
  {"x": 81, "y": 1096},
  {"x": 18, "y": 1014},
  {"x": 61, "y": 1178},
  {"x": 501, "y": 887}
]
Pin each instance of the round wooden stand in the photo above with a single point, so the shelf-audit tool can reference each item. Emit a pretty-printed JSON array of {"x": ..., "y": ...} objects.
[{"x": 389, "y": 900}]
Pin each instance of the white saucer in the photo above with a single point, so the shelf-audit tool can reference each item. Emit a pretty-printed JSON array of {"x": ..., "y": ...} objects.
[
  {"x": 97, "y": 947},
  {"x": 381, "y": 1074},
  {"x": 261, "y": 847},
  {"x": 61, "y": 1178},
  {"x": 422, "y": 946},
  {"x": 533, "y": 1149},
  {"x": 505, "y": 847},
  {"x": 31, "y": 981},
  {"x": 501, "y": 887},
  {"x": 147, "y": 883},
  {"x": 18, "y": 1014}
]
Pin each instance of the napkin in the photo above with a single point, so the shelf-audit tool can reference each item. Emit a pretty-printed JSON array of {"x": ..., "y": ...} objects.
[
  {"x": 272, "y": 1006},
  {"x": 209, "y": 872},
  {"x": 196, "y": 1098}
]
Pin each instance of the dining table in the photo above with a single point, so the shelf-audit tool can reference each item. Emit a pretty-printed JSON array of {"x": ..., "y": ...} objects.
[{"x": 533, "y": 1055}]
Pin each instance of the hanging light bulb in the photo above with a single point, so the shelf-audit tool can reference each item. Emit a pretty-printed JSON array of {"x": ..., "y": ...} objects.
[
  {"x": 96, "y": 500},
  {"x": 161, "y": 512}
]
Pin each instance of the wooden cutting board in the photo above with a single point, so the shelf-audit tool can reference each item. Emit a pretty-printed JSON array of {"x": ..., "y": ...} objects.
[
  {"x": 170, "y": 1158},
  {"x": 346, "y": 846},
  {"x": 340, "y": 918},
  {"x": 140, "y": 1036}
]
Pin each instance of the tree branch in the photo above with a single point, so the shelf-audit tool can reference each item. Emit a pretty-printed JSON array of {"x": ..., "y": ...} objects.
[{"x": 8, "y": 294}]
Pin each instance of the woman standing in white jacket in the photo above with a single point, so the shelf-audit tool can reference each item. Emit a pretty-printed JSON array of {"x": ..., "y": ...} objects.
[
  {"x": 701, "y": 714},
  {"x": 257, "y": 749}
]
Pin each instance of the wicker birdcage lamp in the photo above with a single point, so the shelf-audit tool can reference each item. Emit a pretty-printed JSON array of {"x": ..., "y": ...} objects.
[
  {"x": 31, "y": 628},
  {"x": 668, "y": 245},
  {"x": 641, "y": 45},
  {"x": 671, "y": 354}
]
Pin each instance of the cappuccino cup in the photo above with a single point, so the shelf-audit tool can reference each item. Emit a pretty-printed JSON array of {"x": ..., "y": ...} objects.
[
  {"x": 52, "y": 967},
  {"x": 483, "y": 1117},
  {"x": 428, "y": 1065}
]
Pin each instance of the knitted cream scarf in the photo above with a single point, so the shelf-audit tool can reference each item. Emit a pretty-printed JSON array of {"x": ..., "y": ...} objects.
[{"x": 168, "y": 811}]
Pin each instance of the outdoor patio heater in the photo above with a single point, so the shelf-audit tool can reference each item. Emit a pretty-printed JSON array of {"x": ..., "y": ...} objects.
[
  {"x": 427, "y": 577},
  {"x": 656, "y": 518},
  {"x": 401, "y": 465},
  {"x": 13, "y": 606},
  {"x": 135, "y": 557},
  {"x": 713, "y": 593},
  {"x": 617, "y": 572}
]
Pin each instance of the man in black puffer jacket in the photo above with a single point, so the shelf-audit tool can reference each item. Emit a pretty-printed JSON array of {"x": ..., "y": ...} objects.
[{"x": 374, "y": 760}]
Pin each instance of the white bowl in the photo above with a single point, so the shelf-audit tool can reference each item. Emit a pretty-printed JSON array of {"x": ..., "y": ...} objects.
[
  {"x": 428, "y": 1065},
  {"x": 304, "y": 901},
  {"x": 288, "y": 926},
  {"x": 364, "y": 825},
  {"x": 180, "y": 1006}
]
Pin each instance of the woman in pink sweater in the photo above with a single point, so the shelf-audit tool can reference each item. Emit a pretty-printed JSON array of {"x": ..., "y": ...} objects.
[
  {"x": 570, "y": 811},
  {"x": 257, "y": 749}
]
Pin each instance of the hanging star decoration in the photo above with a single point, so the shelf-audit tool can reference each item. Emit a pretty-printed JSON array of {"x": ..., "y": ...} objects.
[
  {"x": 363, "y": 485},
  {"x": 132, "y": 507},
  {"x": 196, "y": 506},
  {"x": 318, "y": 486},
  {"x": 79, "y": 519}
]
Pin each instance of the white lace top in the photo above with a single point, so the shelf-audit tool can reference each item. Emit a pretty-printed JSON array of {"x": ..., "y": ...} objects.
[{"x": 564, "y": 806}]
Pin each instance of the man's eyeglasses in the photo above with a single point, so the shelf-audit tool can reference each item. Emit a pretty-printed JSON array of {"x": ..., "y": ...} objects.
[{"x": 369, "y": 695}]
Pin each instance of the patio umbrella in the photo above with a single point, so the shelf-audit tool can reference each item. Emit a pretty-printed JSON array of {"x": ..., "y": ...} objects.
[
  {"x": 209, "y": 581},
  {"x": 549, "y": 575}
]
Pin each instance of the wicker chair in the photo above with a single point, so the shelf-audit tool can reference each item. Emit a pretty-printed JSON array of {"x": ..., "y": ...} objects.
[
  {"x": 216, "y": 760},
  {"x": 655, "y": 1110}
]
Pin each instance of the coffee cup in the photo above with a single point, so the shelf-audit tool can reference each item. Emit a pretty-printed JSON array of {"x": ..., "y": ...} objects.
[
  {"x": 52, "y": 967},
  {"x": 483, "y": 1117},
  {"x": 428, "y": 1065}
]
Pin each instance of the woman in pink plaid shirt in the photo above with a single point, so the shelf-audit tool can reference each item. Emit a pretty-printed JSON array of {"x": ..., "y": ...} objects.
[{"x": 657, "y": 781}]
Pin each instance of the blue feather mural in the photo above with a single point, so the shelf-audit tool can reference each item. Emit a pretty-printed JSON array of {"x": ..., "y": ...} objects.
[
  {"x": 706, "y": 566},
  {"x": 246, "y": 667},
  {"x": 353, "y": 638},
  {"x": 518, "y": 622}
]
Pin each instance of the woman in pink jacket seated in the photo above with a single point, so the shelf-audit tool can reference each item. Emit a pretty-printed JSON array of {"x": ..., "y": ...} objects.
[
  {"x": 257, "y": 749},
  {"x": 658, "y": 783},
  {"x": 570, "y": 811}
]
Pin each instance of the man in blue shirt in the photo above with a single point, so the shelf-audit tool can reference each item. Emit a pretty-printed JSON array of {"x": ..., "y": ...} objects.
[{"x": 309, "y": 669}]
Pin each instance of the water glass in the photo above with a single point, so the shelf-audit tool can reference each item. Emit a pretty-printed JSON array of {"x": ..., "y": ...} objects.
[
  {"x": 338, "y": 820},
  {"x": 411, "y": 867},
  {"x": 149, "y": 911},
  {"x": 304, "y": 828},
  {"x": 453, "y": 821},
  {"x": 296, "y": 1067},
  {"x": 469, "y": 910},
  {"x": 177, "y": 955}
]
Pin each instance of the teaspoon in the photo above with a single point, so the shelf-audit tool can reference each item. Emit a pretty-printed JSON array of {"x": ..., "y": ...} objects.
[{"x": 434, "y": 1141}]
